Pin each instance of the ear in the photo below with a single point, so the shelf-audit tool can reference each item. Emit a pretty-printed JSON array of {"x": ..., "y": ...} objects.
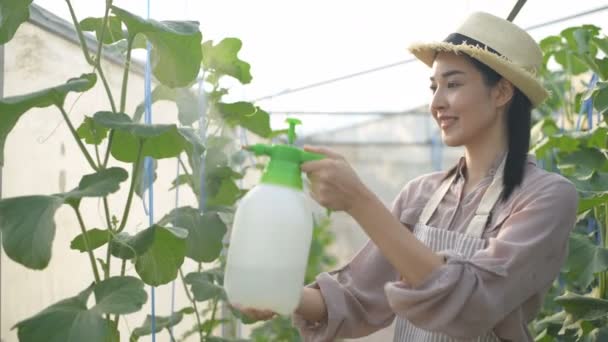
[{"x": 503, "y": 92}]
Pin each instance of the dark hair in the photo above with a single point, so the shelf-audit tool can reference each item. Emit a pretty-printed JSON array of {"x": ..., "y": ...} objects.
[{"x": 518, "y": 117}]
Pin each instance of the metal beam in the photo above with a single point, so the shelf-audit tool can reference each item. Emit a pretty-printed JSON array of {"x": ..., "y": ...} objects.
[{"x": 398, "y": 63}]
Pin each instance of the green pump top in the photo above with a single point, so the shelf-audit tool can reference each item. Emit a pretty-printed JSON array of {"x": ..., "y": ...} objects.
[{"x": 285, "y": 159}]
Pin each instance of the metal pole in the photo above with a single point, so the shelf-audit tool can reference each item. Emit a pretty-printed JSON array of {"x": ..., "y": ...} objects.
[{"x": 516, "y": 9}]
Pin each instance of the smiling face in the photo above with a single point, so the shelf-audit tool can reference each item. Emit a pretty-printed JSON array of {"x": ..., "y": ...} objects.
[{"x": 467, "y": 110}]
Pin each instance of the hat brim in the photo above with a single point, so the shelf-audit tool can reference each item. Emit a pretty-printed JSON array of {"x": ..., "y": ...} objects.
[{"x": 523, "y": 79}]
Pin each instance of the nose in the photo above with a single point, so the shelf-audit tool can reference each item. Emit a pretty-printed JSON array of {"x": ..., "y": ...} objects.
[{"x": 438, "y": 102}]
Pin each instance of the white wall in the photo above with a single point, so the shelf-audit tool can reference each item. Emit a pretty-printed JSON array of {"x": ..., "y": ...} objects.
[{"x": 41, "y": 157}]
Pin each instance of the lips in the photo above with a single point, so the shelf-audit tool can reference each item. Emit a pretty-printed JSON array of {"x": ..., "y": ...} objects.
[{"x": 446, "y": 121}]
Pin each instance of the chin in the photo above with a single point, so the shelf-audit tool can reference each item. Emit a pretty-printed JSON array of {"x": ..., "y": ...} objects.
[{"x": 451, "y": 141}]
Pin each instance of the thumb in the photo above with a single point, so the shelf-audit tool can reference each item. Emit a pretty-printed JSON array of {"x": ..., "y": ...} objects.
[{"x": 323, "y": 150}]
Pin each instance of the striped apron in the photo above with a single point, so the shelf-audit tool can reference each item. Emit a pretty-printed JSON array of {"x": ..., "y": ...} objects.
[{"x": 465, "y": 244}]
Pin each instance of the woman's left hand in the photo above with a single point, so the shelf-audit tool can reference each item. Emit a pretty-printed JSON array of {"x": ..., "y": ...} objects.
[{"x": 335, "y": 185}]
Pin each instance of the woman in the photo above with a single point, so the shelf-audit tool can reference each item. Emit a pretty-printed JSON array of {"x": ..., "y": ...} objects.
[{"x": 465, "y": 254}]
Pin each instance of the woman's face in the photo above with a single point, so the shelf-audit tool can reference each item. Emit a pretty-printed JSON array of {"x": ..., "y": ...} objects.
[{"x": 464, "y": 107}]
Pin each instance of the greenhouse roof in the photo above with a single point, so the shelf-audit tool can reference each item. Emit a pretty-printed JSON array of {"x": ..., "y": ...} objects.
[{"x": 335, "y": 63}]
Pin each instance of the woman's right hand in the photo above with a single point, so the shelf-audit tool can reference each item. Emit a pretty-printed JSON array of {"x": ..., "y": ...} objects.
[{"x": 255, "y": 314}]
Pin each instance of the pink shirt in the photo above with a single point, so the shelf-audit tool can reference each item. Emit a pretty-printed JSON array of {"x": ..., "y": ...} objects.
[{"x": 501, "y": 287}]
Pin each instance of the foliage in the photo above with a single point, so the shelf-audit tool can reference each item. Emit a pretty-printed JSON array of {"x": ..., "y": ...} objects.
[
  {"x": 180, "y": 59},
  {"x": 575, "y": 145}
]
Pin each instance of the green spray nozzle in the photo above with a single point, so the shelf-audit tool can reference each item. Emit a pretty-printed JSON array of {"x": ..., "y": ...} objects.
[
  {"x": 285, "y": 159},
  {"x": 291, "y": 133}
]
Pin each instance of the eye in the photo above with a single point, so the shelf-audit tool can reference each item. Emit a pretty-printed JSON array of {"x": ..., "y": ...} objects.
[
  {"x": 433, "y": 88},
  {"x": 453, "y": 84}
]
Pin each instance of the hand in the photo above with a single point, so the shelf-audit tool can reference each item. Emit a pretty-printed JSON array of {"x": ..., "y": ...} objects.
[
  {"x": 334, "y": 183},
  {"x": 255, "y": 314}
]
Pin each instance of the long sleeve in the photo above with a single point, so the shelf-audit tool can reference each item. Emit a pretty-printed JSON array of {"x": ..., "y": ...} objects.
[
  {"x": 354, "y": 295},
  {"x": 466, "y": 298}
]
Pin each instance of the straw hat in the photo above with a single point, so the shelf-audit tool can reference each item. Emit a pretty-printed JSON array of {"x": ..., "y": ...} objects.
[{"x": 499, "y": 44}]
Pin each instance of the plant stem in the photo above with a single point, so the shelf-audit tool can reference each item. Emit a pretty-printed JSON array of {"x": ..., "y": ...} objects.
[
  {"x": 97, "y": 156},
  {"x": 210, "y": 328},
  {"x": 198, "y": 317},
  {"x": 171, "y": 335},
  {"x": 107, "y": 156},
  {"x": 79, "y": 33},
  {"x": 109, "y": 224},
  {"x": 95, "y": 63},
  {"x": 134, "y": 178},
  {"x": 603, "y": 229},
  {"x": 122, "y": 273},
  {"x": 87, "y": 245},
  {"x": 78, "y": 141},
  {"x": 98, "y": 56},
  {"x": 123, "y": 95},
  {"x": 125, "y": 75}
]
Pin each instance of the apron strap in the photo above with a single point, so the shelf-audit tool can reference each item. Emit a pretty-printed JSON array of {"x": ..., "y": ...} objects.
[
  {"x": 435, "y": 199},
  {"x": 488, "y": 201}
]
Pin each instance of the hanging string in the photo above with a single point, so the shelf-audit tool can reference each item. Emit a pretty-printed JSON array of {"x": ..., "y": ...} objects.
[{"x": 148, "y": 163}]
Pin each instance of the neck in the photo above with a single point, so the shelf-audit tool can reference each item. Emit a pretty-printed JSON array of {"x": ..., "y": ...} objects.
[{"x": 481, "y": 156}]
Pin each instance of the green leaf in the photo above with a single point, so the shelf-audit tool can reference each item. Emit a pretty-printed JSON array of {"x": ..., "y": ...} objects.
[
  {"x": 582, "y": 162},
  {"x": 583, "y": 307},
  {"x": 597, "y": 138},
  {"x": 160, "y": 263},
  {"x": 91, "y": 132},
  {"x": 597, "y": 335},
  {"x": 222, "y": 58},
  {"x": 600, "y": 98},
  {"x": 585, "y": 259},
  {"x": 12, "y": 14},
  {"x": 113, "y": 32},
  {"x": 590, "y": 202},
  {"x": 597, "y": 182},
  {"x": 205, "y": 232},
  {"x": 176, "y": 53},
  {"x": 68, "y": 320},
  {"x": 187, "y": 102},
  {"x": 160, "y": 323},
  {"x": 144, "y": 182},
  {"x": 202, "y": 286},
  {"x": 195, "y": 144},
  {"x": 160, "y": 141},
  {"x": 119, "y": 295},
  {"x": 225, "y": 195},
  {"x": 96, "y": 238},
  {"x": 124, "y": 246},
  {"x": 99, "y": 184},
  {"x": 570, "y": 62},
  {"x": 28, "y": 228},
  {"x": 600, "y": 66},
  {"x": 562, "y": 142},
  {"x": 601, "y": 43},
  {"x": 246, "y": 115},
  {"x": 11, "y": 108}
]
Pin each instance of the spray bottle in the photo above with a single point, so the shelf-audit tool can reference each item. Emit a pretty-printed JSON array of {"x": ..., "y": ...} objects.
[{"x": 272, "y": 232}]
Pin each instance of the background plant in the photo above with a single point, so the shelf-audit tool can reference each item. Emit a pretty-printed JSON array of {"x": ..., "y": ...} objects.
[
  {"x": 209, "y": 163},
  {"x": 570, "y": 137}
]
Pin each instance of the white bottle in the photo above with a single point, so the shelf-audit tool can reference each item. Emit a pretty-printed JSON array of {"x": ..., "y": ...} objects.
[{"x": 271, "y": 235}]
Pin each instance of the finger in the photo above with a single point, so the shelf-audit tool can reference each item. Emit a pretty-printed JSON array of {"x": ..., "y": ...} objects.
[
  {"x": 315, "y": 165},
  {"x": 323, "y": 150}
]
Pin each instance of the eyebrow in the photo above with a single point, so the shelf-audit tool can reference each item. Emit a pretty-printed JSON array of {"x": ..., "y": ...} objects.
[{"x": 448, "y": 73}]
